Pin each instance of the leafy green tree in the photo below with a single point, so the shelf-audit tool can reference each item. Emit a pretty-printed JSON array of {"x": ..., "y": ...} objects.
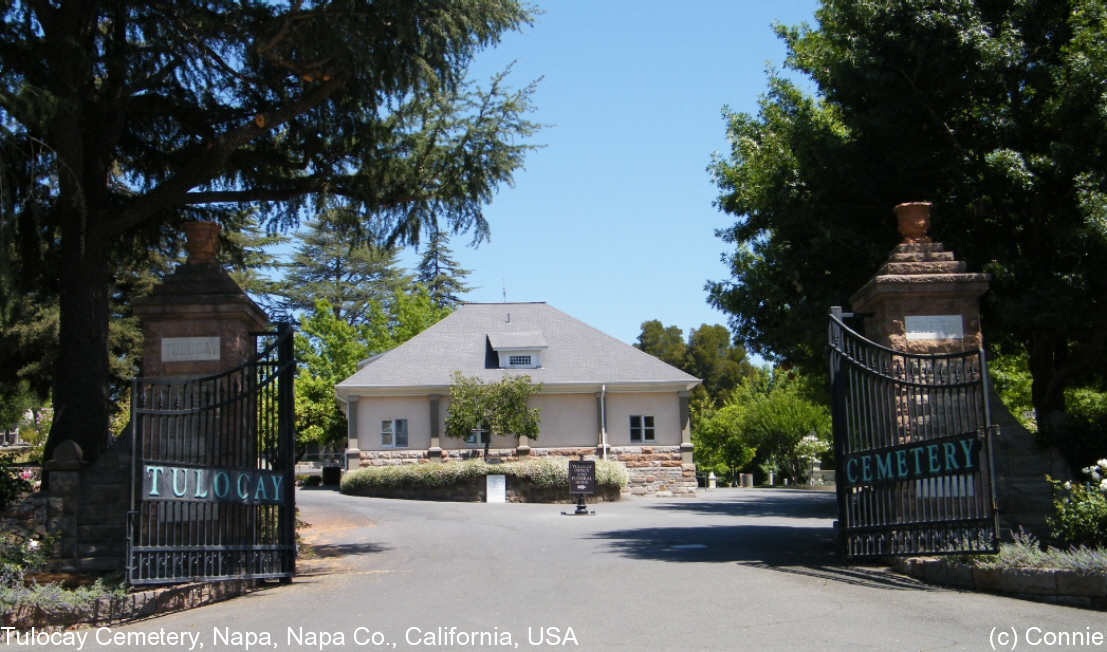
[
  {"x": 708, "y": 354},
  {"x": 778, "y": 421},
  {"x": 764, "y": 421},
  {"x": 721, "y": 445},
  {"x": 713, "y": 357},
  {"x": 136, "y": 116},
  {"x": 350, "y": 274},
  {"x": 665, "y": 343},
  {"x": 494, "y": 409},
  {"x": 992, "y": 111},
  {"x": 443, "y": 277},
  {"x": 328, "y": 348}
]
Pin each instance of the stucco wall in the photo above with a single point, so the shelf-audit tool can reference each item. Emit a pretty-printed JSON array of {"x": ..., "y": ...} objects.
[
  {"x": 567, "y": 420},
  {"x": 371, "y": 411},
  {"x": 663, "y": 407}
]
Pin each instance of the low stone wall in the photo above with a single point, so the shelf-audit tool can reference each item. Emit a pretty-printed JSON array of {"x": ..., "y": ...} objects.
[
  {"x": 1088, "y": 590},
  {"x": 652, "y": 470},
  {"x": 657, "y": 470},
  {"x": 87, "y": 509}
]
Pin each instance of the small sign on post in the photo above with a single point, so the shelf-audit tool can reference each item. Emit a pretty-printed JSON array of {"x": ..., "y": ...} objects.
[{"x": 582, "y": 482}]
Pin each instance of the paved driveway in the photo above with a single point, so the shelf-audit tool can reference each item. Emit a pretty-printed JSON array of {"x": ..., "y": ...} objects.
[{"x": 733, "y": 569}]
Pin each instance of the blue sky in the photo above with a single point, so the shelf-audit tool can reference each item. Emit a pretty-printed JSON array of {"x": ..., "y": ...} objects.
[{"x": 612, "y": 221}]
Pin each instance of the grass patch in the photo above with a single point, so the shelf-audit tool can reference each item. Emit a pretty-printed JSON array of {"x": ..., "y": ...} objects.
[{"x": 548, "y": 475}]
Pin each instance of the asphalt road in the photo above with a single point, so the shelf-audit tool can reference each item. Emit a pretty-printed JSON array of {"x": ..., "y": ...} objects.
[{"x": 736, "y": 569}]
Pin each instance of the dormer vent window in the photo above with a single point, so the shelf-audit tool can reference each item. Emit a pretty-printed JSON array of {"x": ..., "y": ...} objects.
[{"x": 518, "y": 350}]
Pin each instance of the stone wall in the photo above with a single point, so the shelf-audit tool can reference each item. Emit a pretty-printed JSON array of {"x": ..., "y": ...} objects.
[
  {"x": 652, "y": 470},
  {"x": 1023, "y": 497},
  {"x": 87, "y": 509}
]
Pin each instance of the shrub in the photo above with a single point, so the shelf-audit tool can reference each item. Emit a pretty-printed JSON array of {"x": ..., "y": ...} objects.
[
  {"x": 543, "y": 474},
  {"x": 1026, "y": 552},
  {"x": 12, "y": 483},
  {"x": 1080, "y": 509}
]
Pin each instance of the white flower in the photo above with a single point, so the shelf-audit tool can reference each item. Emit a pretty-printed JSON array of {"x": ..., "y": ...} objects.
[
  {"x": 1068, "y": 485},
  {"x": 32, "y": 544},
  {"x": 1102, "y": 464},
  {"x": 1103, "y": 486},
  {"x": 1096, "y": 476}
]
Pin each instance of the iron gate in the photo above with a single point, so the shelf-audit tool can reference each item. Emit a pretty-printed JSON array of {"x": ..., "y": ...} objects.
[
  {"x": 912, "y": 441},
  {"x": 212, "y": 472}
]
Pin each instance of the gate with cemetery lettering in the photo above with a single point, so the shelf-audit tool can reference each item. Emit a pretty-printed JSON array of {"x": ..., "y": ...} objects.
[
  {"x": 912, "y": 438},
  {"x": 212, "y": 479}
]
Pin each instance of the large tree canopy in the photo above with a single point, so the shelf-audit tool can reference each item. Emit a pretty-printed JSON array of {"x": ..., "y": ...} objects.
[
  {"x": 994, "y": 111},
  {"x": 708, "y": 355},
  {"x": 119, "y": 120}
]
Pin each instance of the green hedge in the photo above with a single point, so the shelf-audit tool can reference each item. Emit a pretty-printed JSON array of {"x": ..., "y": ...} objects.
[{"x": 543, "y": 479}]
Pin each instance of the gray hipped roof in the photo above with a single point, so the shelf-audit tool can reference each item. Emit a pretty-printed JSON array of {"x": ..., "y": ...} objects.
[{"x": 571, "y": 352}]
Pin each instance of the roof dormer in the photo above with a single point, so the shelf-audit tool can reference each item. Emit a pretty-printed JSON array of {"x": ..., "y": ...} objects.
[{"x": 521, "y": 350}]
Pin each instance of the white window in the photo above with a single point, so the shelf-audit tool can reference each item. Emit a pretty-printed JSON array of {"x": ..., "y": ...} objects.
[
  {"x": 520, "y": 360},
  {"x": 641, "y": 428},
  {"x": 477, "y": 437},
  {"x": 394, "y": 433}
]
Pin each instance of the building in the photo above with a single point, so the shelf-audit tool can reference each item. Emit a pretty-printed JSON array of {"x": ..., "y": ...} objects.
[{"x": 599, "y": 396}]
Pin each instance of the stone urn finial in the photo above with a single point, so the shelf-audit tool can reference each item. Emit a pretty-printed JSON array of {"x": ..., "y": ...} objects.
[
  {"x": 914, "y": 221},
  {"x": 203, "y": 241}
]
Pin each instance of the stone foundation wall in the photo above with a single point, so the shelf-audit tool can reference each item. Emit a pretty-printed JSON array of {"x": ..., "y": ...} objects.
[
  {"x": 87, "y": 512},
  {"x": 652, "y": 470}
]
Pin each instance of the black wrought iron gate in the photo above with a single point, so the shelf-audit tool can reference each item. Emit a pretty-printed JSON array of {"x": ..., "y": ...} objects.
[
  {"x": 912, "y": 441},
  {"x": 212, "y": 473}
]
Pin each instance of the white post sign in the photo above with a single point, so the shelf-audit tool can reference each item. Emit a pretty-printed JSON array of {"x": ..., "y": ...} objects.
[
  {"x": 496, "y": 486},
  {"x": 935, "y": 327},
  {"x": 189, "y": 349}
]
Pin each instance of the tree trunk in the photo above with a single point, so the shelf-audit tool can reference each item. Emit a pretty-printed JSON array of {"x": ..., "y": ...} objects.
[
  {"x": 1047, "y": 389},
  {"x": 82, "y": 375}
]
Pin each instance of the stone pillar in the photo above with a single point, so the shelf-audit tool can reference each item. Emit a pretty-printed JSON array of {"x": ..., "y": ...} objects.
[
  {"x": 198, "y": 322},
  {"x": 435, "y": 450},
  {"x": 353, "y": 453},
  {"x": 922, "y": 300},
  {"x": 686, "y": 446},
  {"x": 64, "y": 502},
  {"x": 523, "y": 448}
]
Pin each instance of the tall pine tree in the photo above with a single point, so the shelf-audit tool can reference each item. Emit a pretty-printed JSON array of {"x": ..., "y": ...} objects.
[
  {"x": 348, "y": 273},
  {"x": 136, "y": 116},
  {"x": 443, "y": 277}
]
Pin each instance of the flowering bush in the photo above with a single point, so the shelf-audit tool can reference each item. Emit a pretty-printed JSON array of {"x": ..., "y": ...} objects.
[
  {"x": 543, "y": 473},
  {"x": 1080, "y": 509}
]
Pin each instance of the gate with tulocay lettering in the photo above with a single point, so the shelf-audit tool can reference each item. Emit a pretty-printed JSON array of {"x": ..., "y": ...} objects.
[
  {"x": 912, "y": 437},
  {"x": 212, "y": 479}
]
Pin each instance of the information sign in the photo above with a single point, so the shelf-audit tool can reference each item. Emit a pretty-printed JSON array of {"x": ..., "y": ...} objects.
[{"x": 582, "y": 478}]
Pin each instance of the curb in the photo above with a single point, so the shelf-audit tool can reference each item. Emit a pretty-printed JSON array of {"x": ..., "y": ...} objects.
[
  {"x": 1065, "y": 587},
  {"x": 113, "y": 610}
]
